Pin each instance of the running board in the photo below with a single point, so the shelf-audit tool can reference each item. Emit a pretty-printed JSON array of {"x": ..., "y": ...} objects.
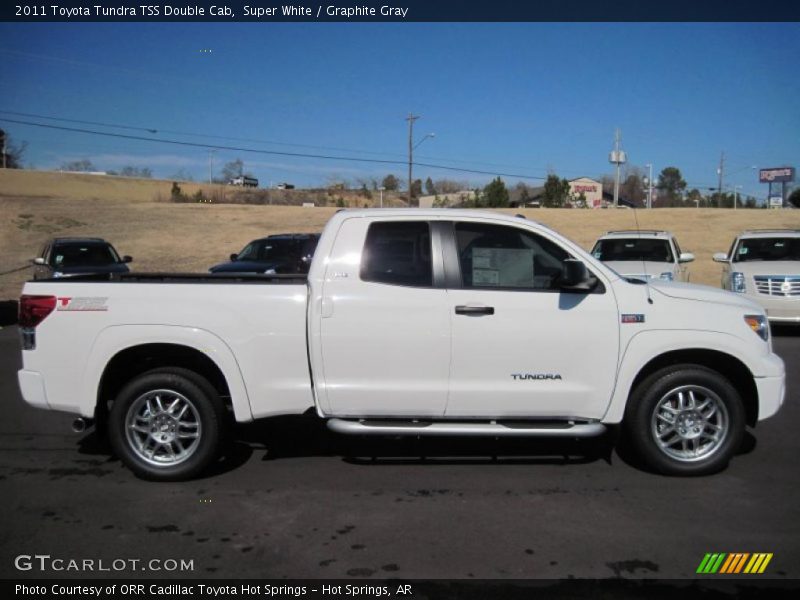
[{"x": 465, "y": 428}]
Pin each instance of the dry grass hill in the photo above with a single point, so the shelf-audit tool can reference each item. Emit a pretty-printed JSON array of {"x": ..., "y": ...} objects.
[{"x": 136, "y": 216}]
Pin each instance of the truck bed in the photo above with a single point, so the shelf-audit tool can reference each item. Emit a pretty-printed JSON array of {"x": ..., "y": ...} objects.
[
  {"x": 253, "y": 326},
  {"x": 163, "y": 277}
]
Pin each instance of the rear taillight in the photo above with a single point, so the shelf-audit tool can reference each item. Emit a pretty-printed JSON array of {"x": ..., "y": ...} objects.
[{"x": 34, "y": 309}]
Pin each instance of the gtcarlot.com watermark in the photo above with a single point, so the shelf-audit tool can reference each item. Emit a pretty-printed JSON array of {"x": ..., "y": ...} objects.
[{"x": 48, "y": 563}]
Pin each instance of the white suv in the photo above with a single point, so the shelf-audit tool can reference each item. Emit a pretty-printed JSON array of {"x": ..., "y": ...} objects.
[
  {"x": 644, "y": 254},
  {"x": 764, "y": 264}
]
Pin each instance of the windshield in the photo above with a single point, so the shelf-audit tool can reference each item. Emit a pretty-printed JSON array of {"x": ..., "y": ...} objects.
[
  {"x": 772, "y": 248},
  {"x": 268, "y": 250},
  {"x": 79, "y": 255},
  {"x": 629, "y": 249}
]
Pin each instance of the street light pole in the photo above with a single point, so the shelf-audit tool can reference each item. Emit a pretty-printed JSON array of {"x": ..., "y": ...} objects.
[
  {"x": 736, "y": 188},
  {"x": 650, "y": 186}
]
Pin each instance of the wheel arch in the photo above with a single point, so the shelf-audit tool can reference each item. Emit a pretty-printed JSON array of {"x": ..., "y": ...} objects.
[
  {"x": 115, "y": 360},
  {"x": 728, "y": 366}
]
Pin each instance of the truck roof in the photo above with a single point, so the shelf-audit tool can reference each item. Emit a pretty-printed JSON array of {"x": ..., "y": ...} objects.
[
  {"x": 654, "y": 233},
  {"x": 440, "y": 213},
  {"x": 765, "y": 233},
  {"x": 78, "y": 240}
]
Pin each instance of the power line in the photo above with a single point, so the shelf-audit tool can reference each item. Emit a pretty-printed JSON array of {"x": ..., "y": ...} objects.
[
  {"x": 20, "y": 114},
  {"x": 269, "y": 152},
  {"x": 155, "y": 130}
]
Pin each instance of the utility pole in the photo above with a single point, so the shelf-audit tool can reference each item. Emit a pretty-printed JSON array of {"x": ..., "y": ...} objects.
[
  {"x": 616, "y": 157},
  {"x": 720, "y": 171},
  {"x": 3, "y": 146},
  {"x": 211, "y": 165},
  {"x": 410, "y": 118},
  {"x": 650, "y": 186}
]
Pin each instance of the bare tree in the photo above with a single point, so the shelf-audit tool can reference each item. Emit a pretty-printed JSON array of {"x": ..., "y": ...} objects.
[
  {"x": 13, "y": 152},
  {"x": 182, "y": 175},
  {"x": 450, "y": 186},
  {"x": 233, "y": 169},
  {"x": 78, "y": 165},
  {"x": 391, "y": 183},
  {"x": 142, "y": 172}
]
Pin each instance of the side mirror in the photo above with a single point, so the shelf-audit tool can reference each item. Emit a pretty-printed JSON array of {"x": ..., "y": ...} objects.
[
  {"x": 686, "y": 257},
  {"x": 127, "y": 259},
  {"x": 720, "y": 257},
  {"x": 575, "y": 277},
  {"x": 233, "y": 256},
  {"x": 38, "y": 261}
]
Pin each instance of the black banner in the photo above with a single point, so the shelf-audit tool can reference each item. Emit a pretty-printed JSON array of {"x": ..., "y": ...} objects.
[
  {"x": 404, "y": 11},
  {"x": 440, "y": 589}
]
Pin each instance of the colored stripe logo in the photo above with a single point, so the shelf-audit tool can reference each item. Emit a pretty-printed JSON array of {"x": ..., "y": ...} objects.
[{"x": 734, "y": 563}]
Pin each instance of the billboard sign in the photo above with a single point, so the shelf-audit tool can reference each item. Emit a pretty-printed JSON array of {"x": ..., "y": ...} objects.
[{"x": 776, "y": 175}]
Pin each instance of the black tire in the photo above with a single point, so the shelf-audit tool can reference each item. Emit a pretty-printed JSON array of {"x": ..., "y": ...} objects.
[
  {"x": 656, "y": 400},
  {"x": 205, "y": 416}
]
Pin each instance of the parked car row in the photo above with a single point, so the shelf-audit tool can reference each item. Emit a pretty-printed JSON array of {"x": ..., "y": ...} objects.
[
  {"x": 761, "y": 264},
  {"x": 66, "y": 256},
  {"x": 764, "y": 265},
  {"x": 644, "y": 254},
  {"x": 286, "y": 253}
]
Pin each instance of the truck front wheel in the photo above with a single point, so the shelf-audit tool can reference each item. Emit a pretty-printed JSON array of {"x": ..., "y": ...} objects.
[
  {"x": 166, "y": 424},
  {"x": 685, "y": 420}
]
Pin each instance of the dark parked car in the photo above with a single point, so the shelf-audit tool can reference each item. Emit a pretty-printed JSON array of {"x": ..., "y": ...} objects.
[
  {"x": 285, "y": 253},
  {"x": 63, "y": 257}
]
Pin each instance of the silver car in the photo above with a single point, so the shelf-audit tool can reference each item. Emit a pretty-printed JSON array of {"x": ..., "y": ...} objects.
[
  {"x": 644, "y": 254},
  {"x": 764, "y": 264}
]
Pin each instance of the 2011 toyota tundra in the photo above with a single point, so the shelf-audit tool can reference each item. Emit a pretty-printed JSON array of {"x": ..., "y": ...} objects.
[{"x": 410, "y": 322}]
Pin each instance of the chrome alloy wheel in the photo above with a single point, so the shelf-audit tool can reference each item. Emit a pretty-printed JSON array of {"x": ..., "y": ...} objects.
[
  {"x": 163, "y": 427},
  {"x": 690, "y": 423}
]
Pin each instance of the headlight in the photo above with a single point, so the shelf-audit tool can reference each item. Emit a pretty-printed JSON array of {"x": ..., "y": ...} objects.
[
  {"x": 57, "y": 274},
  {"x": 270, "y": 272},
  {"x": 737, "y": 282},
  {"x": 667, "y": 276},
  {"x": 759, "y": 324}
]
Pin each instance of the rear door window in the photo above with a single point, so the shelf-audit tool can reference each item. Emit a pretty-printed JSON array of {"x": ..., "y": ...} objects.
[{"x": 398, "y": 253}]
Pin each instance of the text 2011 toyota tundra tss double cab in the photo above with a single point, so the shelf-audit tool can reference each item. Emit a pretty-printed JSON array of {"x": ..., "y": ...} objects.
[{"x": 410, "y": 322}]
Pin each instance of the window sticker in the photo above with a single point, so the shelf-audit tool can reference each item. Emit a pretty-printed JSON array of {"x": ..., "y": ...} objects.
[{"x": 504, "y": 267}]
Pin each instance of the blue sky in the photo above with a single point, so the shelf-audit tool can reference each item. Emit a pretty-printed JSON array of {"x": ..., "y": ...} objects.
[{"x": 512, "y": 98}]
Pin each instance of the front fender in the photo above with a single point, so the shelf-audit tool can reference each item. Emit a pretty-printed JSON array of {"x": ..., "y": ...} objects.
[
  {"x": 648, "y": 345},
  {"x": 113, "y": 340}
]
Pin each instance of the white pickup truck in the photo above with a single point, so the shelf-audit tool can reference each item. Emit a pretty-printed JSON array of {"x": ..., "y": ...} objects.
[{"x": 410, "y": 322}]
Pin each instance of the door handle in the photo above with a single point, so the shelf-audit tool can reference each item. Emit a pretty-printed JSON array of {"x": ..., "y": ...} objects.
[{"x": 474, "y": 311}]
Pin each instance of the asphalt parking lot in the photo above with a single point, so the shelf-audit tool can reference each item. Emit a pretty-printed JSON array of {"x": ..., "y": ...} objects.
[{"x": 295, "y": 501}]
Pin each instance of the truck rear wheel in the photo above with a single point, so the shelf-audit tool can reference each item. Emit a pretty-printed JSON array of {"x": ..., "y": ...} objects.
[
  {"x": 167, "y": 424},
  {"x": 685, "y": 420}
]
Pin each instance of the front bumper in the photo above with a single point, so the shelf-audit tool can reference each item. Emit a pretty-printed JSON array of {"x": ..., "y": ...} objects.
[{"x": 771, "y": 387}]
